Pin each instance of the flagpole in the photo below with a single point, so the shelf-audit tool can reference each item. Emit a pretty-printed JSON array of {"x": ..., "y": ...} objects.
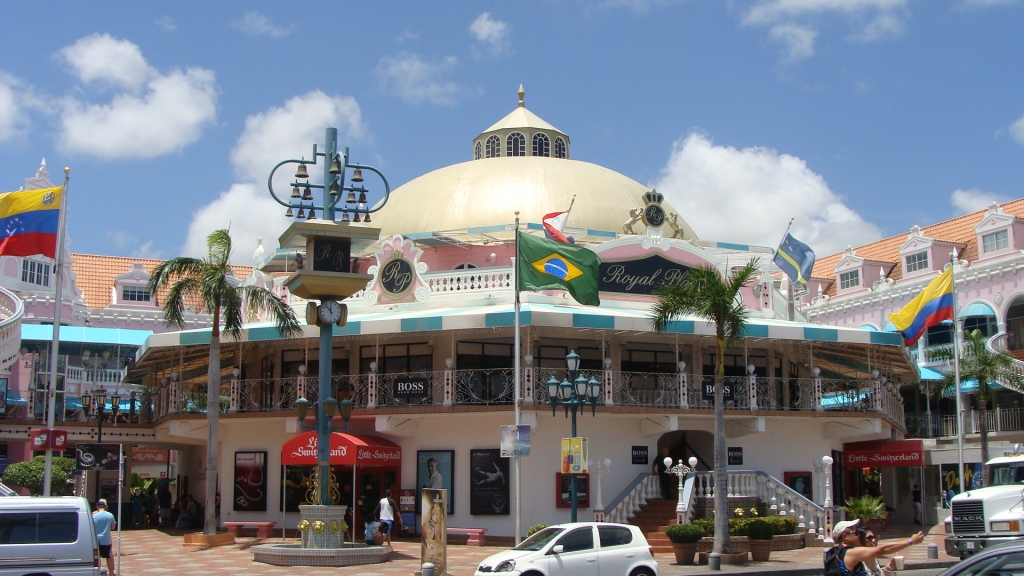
[
  {"x": 518, "y": 379},
  {"x": 58, "y": 278},
  {"x": 956, "y": 368}
]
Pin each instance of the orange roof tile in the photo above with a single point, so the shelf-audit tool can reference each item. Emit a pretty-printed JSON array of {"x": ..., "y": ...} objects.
[
  {"x": 959, "y": 230},
  {"x": 95, "y": 275}
]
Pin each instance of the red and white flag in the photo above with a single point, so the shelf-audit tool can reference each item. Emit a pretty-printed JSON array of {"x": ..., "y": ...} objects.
[{"x": 553, "y": 224}]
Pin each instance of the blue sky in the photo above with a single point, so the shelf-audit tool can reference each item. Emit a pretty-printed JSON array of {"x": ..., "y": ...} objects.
[{"x": 860, "y": 118}]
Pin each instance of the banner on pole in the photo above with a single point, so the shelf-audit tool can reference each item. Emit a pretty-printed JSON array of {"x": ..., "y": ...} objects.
[
  {"x": 98, "y": 457},
  {"x": 574, "y": 455},
  {"x": 515, "y": 441}
]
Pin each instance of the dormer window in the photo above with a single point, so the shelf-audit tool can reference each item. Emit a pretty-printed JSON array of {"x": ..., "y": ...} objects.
[
  {"x": 560, "y": 149},
  {"x": 541, "y": 145},
  {"x": 849, "y": 279},
  {"x": 33, "y": 272},
  {"x": 478, "y": 151},
  {"x": 493, "y": 147},
  {"x": 917, "y": 261},
  {"x": 516, "y": 144},
  {"x": 995, "y": 241},
  {"x": 135, "y": 294}
]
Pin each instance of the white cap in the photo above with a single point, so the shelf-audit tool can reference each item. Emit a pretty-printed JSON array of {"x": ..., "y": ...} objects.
[{"x": 843, "y": 526}]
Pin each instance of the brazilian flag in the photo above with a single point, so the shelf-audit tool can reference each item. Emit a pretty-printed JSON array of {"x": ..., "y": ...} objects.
[{"x": 548, "y": 265}]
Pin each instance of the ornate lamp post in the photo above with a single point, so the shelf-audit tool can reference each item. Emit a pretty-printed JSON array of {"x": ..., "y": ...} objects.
[
  {"x": 574, "y": 396},
  {"x": 681, "y": 470},
  {"x": 599, "y": 469},
  {"x": 826, "y": 462},
  {"x": 100, "y": 412}
]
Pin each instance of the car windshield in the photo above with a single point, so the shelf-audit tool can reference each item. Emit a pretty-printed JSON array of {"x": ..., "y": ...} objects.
[
  {"x": 1008, "y": 474},
  {"x": 540, "y": 539}
]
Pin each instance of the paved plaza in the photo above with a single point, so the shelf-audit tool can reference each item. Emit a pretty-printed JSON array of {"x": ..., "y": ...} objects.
[{"x": 160, "y": 552}]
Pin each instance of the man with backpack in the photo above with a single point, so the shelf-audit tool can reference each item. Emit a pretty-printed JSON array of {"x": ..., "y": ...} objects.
[
  {"x": 386, "y": 512},
  {"x": 848, "y": 557}
]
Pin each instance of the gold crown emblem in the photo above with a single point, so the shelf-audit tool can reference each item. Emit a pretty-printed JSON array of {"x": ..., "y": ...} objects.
[{"x": 652, "y": 196}]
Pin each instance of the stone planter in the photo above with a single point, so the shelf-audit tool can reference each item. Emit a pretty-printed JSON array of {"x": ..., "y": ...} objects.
[
  {"x": 760, "y": 550},
  {"x": 684, "y": 552}
]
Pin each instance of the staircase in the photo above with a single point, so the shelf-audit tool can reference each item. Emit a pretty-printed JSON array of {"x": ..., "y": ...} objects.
[
  {"x": 998, "y": 343},
  {"x": 652, "y": 519}
]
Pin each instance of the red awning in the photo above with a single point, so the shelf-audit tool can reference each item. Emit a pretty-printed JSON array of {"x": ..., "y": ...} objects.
[
  {"x": 346, "y": 450},
  {"x": 884, "y": 453}
]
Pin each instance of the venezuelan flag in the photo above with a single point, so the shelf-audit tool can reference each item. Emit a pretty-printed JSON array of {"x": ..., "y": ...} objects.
[
  {"x": 28, "y": 222},
  {"x": 933, "y": 305}
]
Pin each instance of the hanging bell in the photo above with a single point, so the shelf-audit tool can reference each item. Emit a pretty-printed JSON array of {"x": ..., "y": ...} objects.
[
  {"x": 289, "y": 213},
  {"x": 312, "y": 214},
  {"x": 366, "y": 219},
  {"x": 334, "y": 189},
  {"x": 344, "y": 217},
  {"x": 295, "y": 192},
  {"x": 357, "y": 175},
  {"x": 362, "y": 196},
  {"x": 302, "y": 214},
  {"x": 335, "y": 166},
  {"x": 301, "y": 173},
  {"x": 355, "y": 218},
  {"x": 351, "y": 198},
  {"x": 307, "y": 194}
]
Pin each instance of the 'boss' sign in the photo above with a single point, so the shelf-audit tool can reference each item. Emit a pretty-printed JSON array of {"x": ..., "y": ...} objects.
[
  {"x": 411, "y": 387},
  {"x": 728, "y": 389}
]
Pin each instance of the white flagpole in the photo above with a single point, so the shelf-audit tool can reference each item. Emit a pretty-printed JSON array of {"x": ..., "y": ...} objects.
[
  {"x": 51, "y": 386},
  {"x": 120, "y": 490},
  {"x": 956, "y": 367},
  {"x": 518, "y": 378}
]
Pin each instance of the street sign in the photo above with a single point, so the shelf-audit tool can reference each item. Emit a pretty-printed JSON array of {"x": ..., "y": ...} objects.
[
  {"x": 48, "y": 439},
  {"x": 515, "y": 441}
]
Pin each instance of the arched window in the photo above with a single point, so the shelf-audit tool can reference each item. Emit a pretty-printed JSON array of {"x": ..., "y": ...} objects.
[
  {"x": 560, "y": 150},
  {"x": 515, "y": 145},
  {"x": 478, "y": 151},
  {"x": 493, "y": 147},
  {"x": 465, "y": 266},
  {"x": 541, "y": 145}
]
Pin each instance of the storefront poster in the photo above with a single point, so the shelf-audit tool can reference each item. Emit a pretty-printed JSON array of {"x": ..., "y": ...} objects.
[
  {"x": 950, "y": 480},
  {"x": 3, "y": 395},
  {"x": 97, "y": 456},
  {"x": 488, "y": 488},
  {"x": 434, "y": 530},
  {"x": 250, "y": 482},
  {"x": 434, "y": 471},
  {"x": 801, "y": 482},
  {"x": 515, "y": 440},
  {"x": 574, "y": 455}
]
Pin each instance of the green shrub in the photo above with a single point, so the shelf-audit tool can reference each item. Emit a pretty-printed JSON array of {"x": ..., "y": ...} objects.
[
  {"x": 534, "y": 529},
  {"x": 684, "y": 533},
  {"x": 706, "y": 524},
  {"x": 739, "y": 526},
  {"x": 30, "y": 474},
  {"x": 760, "y": 530},
  {"x": 865, "y": 508},
  {"x": 783, "y": 524}
]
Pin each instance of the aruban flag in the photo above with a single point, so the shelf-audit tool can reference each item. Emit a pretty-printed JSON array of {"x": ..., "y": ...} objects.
[
  {"x": 932, "y": 306},
  {"x": 553, "y": 224},
  {"x": 548, "y": 265}
]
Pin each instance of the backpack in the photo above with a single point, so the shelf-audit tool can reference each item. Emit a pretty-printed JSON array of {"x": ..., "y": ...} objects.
[{"x": 833, "y": 561}]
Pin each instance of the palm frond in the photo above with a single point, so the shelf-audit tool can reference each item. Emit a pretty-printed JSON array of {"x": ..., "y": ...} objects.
[
  {"x": 232, "y": 319},
  {"x": 262, "y": 300},
  {"x": 218, "y": 247},
  {"x": 174, "y": 305},
  {"x": 173, "y": 269}
]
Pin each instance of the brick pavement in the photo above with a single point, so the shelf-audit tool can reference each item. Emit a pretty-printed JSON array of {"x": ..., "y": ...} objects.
[{"x": 156, "y": 552}]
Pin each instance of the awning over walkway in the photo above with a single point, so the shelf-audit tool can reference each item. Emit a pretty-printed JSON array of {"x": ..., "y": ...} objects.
[
  {"x": 976, "y": 309},
  {"x": 346, "y": 450},
  {"x": 884, "y": 453},
  {"x": 85, "y": 335}
]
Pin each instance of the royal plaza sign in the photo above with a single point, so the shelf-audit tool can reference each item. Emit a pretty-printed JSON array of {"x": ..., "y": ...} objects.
[
  {"x": 640, "y": 275},
  {"x": 884, "y": 453}
]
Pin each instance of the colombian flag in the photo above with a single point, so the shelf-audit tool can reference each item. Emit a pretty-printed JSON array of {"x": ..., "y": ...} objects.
[
  {"x": 933, "y": 305},
  {"x": 28, "y": 222}
]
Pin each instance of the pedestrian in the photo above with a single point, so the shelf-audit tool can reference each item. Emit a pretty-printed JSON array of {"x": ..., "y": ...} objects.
[
  {"x": 663, "y": 475},
  {"x": 371, "y": 532},
  {"x": 104, "y": 521},
  {"x": 918, "y": 506},
  {"x": 386, "y": 512},
  {"x": 164, "y": 502},
  {"x": 136, "y": 508},
  {"x": 190, "y": 515},
  {"x": 871, "y": 567},
  {"x": 848, "y": 552}
]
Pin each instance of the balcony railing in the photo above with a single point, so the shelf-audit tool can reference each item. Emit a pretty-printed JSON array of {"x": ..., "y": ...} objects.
[{"x": 998, "y": 420}]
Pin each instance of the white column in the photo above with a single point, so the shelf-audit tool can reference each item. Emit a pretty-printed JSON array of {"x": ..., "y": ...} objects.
[
  {"x": 826, "y": 462},
  {"x": 528, "y": 377},
  {"x": 371, "y": 386},
  {"x": 684, "y": 401},
  {"x": 174, "y": 394},
  {"x": 236, "y": 393},
  {"x": 609, "y": 383},
  {"x": 752, "y": 383},
  {"x": 449, "y": 383},
  {"x": 817, "y": 389}
]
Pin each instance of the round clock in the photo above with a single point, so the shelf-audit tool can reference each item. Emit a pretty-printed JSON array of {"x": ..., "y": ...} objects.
[
  {"x": 330, "y": 311},
  {"x": 654, "y": 215}
]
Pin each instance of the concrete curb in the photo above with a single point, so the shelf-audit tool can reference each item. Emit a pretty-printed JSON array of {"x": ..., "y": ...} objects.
[{"x": 817, "y": 571}]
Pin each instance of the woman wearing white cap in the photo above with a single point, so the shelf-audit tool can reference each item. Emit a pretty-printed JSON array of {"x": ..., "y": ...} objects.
[{"x": 848, "y": 551}]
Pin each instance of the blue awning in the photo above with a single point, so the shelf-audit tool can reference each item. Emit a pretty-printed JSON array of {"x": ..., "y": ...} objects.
[
  {"x": 929, "y": 374},
  {"x": 869, "y": 327},
  {"x": 976, "y": 309},
  {"x": 85, "y": 335},
  {"x": 889, "y": 327},
  {"x": 970, "y": 386},
  {"x": 15, "y": 400}
]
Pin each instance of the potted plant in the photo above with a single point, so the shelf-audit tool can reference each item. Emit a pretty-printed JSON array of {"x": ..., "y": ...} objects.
[
  {"x": 870, "y": 510},
  {"x": 684, "y": 538},
  {"x": 760, "y": 535}
]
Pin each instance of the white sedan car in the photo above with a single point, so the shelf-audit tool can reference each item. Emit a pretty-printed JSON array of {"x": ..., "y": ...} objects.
[{"x": 591, "y": 548}]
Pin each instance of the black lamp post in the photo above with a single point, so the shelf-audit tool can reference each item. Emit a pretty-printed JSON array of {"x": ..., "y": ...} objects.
[
  {"x": 574, "y": 396},
  {"x": 100, "y": 413}
]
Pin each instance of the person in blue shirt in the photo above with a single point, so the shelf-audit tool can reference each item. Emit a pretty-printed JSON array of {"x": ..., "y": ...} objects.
[{"x": 104, "y": 522}]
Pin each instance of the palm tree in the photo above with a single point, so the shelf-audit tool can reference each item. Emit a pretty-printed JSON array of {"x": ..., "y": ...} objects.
[
  {"x": 980, "y": 363},
  {"x": 706, "y": 293},
  {"x": 207, "y": 281}
]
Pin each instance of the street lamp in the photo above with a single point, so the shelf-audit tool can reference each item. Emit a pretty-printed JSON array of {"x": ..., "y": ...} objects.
[
  {"x": 599, "y": 469},
  {"x": 100, "y": 412},
  {"x": 680, "y": 470},
  {"x": 574, "y": 397}
]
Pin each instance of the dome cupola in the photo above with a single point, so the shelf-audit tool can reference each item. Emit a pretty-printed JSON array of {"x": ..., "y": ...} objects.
[{"x": 521, "y": 133}]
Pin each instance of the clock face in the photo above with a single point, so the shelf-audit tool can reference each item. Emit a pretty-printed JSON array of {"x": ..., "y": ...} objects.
[
  {"x": 654, "y": 216},
  {"x": 330, "y": 311}
]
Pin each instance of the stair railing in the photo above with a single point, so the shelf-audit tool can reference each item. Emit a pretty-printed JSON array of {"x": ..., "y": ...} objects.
[
  {"x": 998, "y": 344},
  {"x": 632, "y": 498},
  {"x": 781, "y": 499}
]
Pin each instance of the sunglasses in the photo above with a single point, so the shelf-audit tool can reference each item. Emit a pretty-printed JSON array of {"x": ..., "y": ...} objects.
[{"x": 871, "y": 538}]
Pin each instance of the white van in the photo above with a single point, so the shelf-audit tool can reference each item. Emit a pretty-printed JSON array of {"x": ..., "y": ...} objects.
[{"x": 47, "y": 536}]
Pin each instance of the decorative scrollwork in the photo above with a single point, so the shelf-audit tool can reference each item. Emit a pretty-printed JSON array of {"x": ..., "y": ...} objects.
[{"x": 313, "y": 493}]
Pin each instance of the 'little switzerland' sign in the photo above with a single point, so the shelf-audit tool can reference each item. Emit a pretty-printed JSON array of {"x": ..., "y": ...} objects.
[
  {"x": 346, "y": 449},
  {"x": 885, "y": 453}
]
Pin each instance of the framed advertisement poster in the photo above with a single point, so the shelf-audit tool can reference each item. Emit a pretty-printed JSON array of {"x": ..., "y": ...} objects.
[
  {"x": 435, "y": 471},
  {"x": 3, "y": 395},
  {"x": 434, "y": 530},
  {"x": 250, "y": 493},
  {"x": 489, "y": 482},
  {"x": 801, "y": 482},
  {"x": 563, "y": 496}
]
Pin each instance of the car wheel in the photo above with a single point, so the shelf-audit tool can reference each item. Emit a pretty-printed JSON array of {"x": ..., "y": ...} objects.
[
  {"x": 532, "y": 574},
  {"x": 642, "y": 572}
]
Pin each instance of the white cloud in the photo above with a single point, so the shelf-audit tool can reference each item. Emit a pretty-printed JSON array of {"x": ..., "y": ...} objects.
[
  {"x": 984, "y": 3},
  {"x": 768, "y": 11},
  {"x": 799, "y": 39},
  {"x": 269, "y": 137},
  {"x": 1017, "y": 130},
  {"x": 14, "y": 122},
  {"x": 155, "y": 115},
  {"x": 407, "y": 36},
  {"x": 885, "y": 25},
  {"x": 256, "y": 24},
  {"x": 492, "y": 33},
  {"x": 250, "y": 213},
  {"x": 104, "y": 59},
  {"x": 638, "y": 6},
  {"x": 967, "y": 201},
  {"x": 126, "y": 241},
  {"x": 749, "y": 195},
  {"x": 415, "y": 80},
  {"x": 166, "y": 23}
]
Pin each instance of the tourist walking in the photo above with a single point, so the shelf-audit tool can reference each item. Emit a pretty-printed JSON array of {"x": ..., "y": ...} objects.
[
  {"x": 664, "y": 478},
  {"x": 918, "y": 506},
  {"x": 104, "y": 521}
]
